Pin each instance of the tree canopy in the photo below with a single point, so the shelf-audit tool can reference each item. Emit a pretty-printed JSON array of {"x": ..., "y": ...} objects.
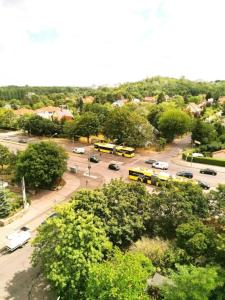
[
  {"x": 66, "y": 246},
  {"x": 41, "y": 164}
]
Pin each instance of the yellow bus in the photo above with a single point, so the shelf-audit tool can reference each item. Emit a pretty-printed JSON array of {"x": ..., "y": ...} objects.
[
  {"x": 104, "y": 147},
  {"x": 112, "y": 148},
  {"x": 151, "y": 176},
  {"x": 141, "y": 174}
]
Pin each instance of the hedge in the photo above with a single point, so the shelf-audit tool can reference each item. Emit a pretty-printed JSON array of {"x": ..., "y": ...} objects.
[{"x": 204, "y": 160}]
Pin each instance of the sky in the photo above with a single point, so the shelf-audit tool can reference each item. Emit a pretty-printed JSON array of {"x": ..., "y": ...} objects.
[{"x": 107, "y": 42}]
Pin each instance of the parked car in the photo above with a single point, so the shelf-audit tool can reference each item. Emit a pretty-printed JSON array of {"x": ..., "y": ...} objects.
[
  {"x": 79, "y": 150},
  {"x": 160, "y": 165},
  {"x": 186, "y": 174},
  {"x": 22, "y": 141},
  {"x": 114, "y": 167},
  {"x": 197, "y": 154},
  {"x": 18, "y": 238},
  {"x": 204, "y": 185},
  {"x": 94, "y": 159},
  {"x": 150, "y": 161},
  {"x": 208, "y": 171}
]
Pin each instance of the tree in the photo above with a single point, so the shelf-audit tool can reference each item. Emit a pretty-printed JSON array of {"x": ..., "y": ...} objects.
[
  {"x": 203, "y": 132},
  {"x": 4, "y": 155},
  {"x": 5, "y": 206},
  {"x": 101, "y": 110},
  {"x": 174, "y": 204},
  {"x": 161, "y": 98},
  {"x": 41, "y": 164},
  {"x": 196, "y": 239},
  {"x": 66, "y": 247},
  {"x": 154, "y": 115},
  {"x": 174, "y": 122},
  {"x": 87, "y": 125},
  {"x": 128, "y": 128},
  {"x": 123, "y": 277},
  {"x": 121, "y": 206},
  {"x": 191, "y": 283},
  {"x": 7, "y": 119},
  {"x": 37, "y": 125}
]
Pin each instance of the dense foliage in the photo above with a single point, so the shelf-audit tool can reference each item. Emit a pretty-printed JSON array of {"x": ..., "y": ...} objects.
[
  {"x": 41, "y": 164},
  {"x": 75, "y": 248},
  {"x": 122, "y": 277}
]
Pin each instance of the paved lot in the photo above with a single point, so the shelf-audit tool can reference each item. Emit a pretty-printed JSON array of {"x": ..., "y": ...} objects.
[{"x": 16, "y": 274}]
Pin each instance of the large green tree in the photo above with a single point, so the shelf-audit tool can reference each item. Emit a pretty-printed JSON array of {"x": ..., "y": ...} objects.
[
  {"x": 202, "y": 132},
  {"x": 197, "y": 239},
  {"x": 66, "y": 246},
  {"x": 41, "y": 164},
  {"x": 37, "y": 125},
  {"x": 123, "y": 277},
  {"x": 87, "y": 125},
  {"x": 121, "y": 206},
  {"x": 174, "y": 122},
  {"x": 128, "y": 127},
  {"x": 5, "y": 155},
  {"x": 174, "y": 204}
]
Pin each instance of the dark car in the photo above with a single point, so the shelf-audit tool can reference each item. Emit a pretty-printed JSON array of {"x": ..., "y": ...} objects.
[
  {"x": 23, "y": 141},
  {"x": 113, "y": 166},
  {"x": 150, "y": 161},
  {"x": 185, "y": 174},
  {"x": 94, "y": 159},
  {"x": 204, "y": 185},
  {"x": 208, "y": 171}
]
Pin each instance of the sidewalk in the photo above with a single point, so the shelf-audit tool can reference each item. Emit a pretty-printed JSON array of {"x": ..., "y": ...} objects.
[
  {"x": 180, "y": 162},
  {"x": 41, "y": 203}
]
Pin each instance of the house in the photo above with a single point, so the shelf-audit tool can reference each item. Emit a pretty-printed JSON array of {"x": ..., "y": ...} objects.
[
  {"x": 23, "y": 111},
  {"x": 57, "y": 113},
  {"x": 194, "y": 109},
  {"x": 150, "y": 99},
  {"x": 88, "y": 99},
  {"x": 136, "y": 101},
  {"x": 119, "y": 102}
]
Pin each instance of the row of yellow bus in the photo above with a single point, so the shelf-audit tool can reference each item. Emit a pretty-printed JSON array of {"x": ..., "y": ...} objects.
[{"x": 114, "y": 149}]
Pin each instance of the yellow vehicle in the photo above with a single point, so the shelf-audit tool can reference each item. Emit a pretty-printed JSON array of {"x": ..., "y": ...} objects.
[
  {"x": 141, "y": 174},
  {"x": 104, "y": 147},
  {"x": 125, "y": 151},
  {"x": 151, "y": 176},
  {"x": 112, "y": 148}
]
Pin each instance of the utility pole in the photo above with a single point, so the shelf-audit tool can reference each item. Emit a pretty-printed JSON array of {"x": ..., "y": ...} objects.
[{"x": 24, "y": 193}]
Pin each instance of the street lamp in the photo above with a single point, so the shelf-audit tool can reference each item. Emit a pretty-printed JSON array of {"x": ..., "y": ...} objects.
[{"x": 54, "y": 134}]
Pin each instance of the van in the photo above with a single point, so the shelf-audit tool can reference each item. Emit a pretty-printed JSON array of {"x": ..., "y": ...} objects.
[
  {"x": 79, "y": 150},
  {"x": 160, "y": 165}
]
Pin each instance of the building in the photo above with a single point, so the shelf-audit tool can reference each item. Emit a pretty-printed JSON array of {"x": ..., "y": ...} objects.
[{"x": 54, "y": 113}]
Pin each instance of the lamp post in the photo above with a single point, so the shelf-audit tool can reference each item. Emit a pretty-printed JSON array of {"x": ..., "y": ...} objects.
[{"x": 54, "y": 134}]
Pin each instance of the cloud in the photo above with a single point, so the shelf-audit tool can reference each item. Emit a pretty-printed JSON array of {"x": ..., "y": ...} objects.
[{"x": 54, "y": 42}]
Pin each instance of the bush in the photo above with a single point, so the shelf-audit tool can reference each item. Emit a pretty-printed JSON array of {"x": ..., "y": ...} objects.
[
  {"x": 154, "y": 249},
  {"x": 205, "y": 160}
]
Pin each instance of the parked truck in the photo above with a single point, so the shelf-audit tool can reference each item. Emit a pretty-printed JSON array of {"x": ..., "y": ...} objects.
[{"x": 18, "y": 238}]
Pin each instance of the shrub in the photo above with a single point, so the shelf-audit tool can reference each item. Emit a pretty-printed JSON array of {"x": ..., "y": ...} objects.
[
  {"x": 204, "y": 160},
  {"x": 154, "y": 249}
]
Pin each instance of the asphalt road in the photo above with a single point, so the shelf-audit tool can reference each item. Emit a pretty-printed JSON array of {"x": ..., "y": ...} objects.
[{"x": 16, "y": 273}]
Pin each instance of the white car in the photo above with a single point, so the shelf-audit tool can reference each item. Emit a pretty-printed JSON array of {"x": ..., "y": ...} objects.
[
  {"x": 79, "y": 150},
  {"x": 197, "y": 155},
  {"x": 18, "y": 238},
  {"x": 160, "y": 165}
]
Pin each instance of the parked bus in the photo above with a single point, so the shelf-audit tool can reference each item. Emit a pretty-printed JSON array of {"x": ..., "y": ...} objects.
[
  {"x": 112, "y": 148},
  {"x": 104, "y": 147},
  {"x": 125, "y": 151}
]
